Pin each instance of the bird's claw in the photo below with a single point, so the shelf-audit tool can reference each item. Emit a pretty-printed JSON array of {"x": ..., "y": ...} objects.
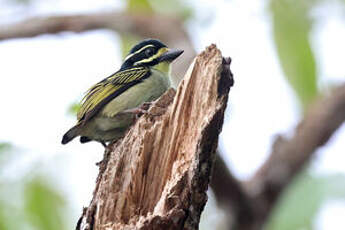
[{"x": 140, "y": 110}]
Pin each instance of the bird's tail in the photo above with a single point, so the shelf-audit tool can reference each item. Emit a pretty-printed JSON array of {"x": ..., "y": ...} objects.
[{"x": 70, "y": 134}]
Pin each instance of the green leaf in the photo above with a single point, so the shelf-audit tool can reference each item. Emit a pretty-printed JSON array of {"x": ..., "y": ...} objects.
[
  {"x": 127, "y": 42},
  {"x": 291, "y": 28},
  {"x": 21, "y": 2},
  {"x": 5, "y": 146},
  {"x": 139, "y": 6},
  {"x": 3, "y": 219},
  {"x": 301, "y": 202},
  {"x": 44, "y": 207},
  {"x": 74, "y": 108},
  {"x": 175, "y": 8},
  {"x": 9, "y": 217},
  {"x": 172, "y": 7}
]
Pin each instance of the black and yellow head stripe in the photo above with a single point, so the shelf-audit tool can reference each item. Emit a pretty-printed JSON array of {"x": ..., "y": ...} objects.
[
  {"x": 145, "y": 53},
  {"x": 138, "y": 51},
  {"x": 160, "y": 52}
]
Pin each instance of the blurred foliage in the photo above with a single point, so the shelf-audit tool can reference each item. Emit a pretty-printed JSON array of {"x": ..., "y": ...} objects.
[
  {"x": 4, "y": 146},
  {"x": 291, "y": 27},
  {"x": 30, "y": 202},
  {"x": 21, "y": 2},
  {"x": 129, "y": 40},
  {"x": 73, "y": 108},
  {"x": 175, "y": 8},
  {"x": 303, "y": 199},
  {"x": 292, "y": 24},
  {"x": 139, "y": 6},
  {"x": 5, "y": 149},
  {"x": 44, "y": 207}
]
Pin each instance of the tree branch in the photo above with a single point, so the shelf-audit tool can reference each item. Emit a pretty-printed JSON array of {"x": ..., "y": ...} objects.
[
  {"x": 231, "y": 196},
  {"x": 289, "y": 155},
  {"x": 169, "y": 30},
  {"x": 143, "y": 25},
  {"x": 156, "y": 177}
]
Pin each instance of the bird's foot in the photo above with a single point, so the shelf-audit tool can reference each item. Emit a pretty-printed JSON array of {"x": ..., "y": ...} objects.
[
  {"x": 145, "y": 108},
  {"x": 140, "y": 110},
  {"x": 146, "y": 105}
]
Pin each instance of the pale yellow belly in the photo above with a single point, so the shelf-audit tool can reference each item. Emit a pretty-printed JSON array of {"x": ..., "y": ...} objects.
[{"x": 150, "y": 89}]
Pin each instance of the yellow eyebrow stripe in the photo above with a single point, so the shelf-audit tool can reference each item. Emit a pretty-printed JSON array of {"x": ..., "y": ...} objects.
[
  {"x": 158, "y": 54},
  {"x": 138, "y": 51}
]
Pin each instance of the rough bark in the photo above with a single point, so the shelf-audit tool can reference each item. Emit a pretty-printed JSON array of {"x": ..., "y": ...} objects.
[{"x": 157, "y": 176}]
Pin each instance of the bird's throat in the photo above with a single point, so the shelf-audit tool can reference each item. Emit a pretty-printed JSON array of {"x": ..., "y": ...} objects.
[{"x": 163, "y": 67}]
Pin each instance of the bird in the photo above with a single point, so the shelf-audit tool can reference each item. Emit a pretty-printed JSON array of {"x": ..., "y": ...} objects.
[{"x": 109, "y": 107}]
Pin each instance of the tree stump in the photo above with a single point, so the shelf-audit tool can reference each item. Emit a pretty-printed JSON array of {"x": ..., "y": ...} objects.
[{"x": 156, "y": 177}]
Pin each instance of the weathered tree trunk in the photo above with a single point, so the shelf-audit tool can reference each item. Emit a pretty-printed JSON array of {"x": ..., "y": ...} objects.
[{"x": 157, "y": 176}]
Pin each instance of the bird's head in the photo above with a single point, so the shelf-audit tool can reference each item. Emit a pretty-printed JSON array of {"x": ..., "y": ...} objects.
[{"x": 150, "y": 53}]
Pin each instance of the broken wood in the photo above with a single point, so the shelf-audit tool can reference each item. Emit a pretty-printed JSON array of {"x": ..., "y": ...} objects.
[{"x": 157, "y": 176}]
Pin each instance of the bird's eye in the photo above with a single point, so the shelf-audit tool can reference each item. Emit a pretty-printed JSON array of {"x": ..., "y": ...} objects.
[{"x": 149, "y": 52}]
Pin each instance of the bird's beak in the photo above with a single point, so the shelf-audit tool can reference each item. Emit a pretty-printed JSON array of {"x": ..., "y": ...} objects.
[{"x": 170, "y": 55}]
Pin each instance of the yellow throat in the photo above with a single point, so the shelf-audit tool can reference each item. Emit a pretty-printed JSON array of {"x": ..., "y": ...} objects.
[{"x": 164, "y": 67}]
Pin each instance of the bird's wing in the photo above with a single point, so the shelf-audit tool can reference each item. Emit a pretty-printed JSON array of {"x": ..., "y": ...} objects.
[{"x": 109, "y": 88}]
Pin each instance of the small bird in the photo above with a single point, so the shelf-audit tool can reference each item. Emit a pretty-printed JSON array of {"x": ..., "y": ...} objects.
[{"x": 110, "y": 106}]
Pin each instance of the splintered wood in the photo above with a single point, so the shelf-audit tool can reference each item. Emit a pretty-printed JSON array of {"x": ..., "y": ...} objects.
[{"x": 157, "y": 176}]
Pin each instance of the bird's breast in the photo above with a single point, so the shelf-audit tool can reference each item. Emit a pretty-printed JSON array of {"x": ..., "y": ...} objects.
[{"x": 147, "y": 90}]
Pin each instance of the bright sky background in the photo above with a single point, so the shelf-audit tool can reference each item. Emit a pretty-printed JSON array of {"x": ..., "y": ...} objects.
[{"x": 41, "y": 77}]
